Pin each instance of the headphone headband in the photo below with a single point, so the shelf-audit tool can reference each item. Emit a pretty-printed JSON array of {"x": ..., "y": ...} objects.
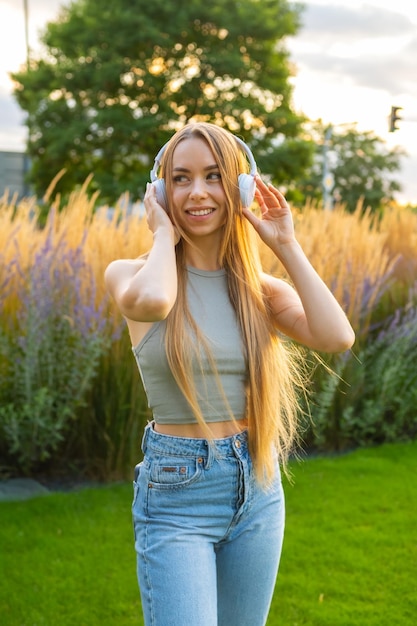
[
  {"x": 157, "y": 163},
  {"x": 240, "y": 142}
]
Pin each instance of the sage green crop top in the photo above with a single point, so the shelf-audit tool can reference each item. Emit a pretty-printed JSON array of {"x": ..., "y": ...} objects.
[{"x": 212, "y": 310}]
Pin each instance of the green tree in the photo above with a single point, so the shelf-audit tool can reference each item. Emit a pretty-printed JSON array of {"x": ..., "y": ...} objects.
[
  {"x": 116, "y": 79},
  {"x": 359, "y": 164}
]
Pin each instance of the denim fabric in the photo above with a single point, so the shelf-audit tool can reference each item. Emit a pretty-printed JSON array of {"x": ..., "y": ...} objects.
[{"x": 208, "y": 537}]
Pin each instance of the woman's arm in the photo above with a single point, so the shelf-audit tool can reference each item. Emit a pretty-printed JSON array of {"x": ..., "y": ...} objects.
[
  {"x": 309, "y": 314},
  {"x": 145, "y": 290}
]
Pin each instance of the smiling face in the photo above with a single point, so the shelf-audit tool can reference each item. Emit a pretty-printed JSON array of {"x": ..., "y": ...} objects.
[{"x": 198, "y": 198}]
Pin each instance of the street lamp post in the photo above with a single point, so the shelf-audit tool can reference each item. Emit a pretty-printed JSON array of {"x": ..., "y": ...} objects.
[
  {"x": 327, "y": 181},
  {"x": 26, "y": 16},
  {"x": 26, "y": 162}
]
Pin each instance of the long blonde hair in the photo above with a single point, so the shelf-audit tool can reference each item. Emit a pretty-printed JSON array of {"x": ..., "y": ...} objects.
[{"x": 273, "y": 376}]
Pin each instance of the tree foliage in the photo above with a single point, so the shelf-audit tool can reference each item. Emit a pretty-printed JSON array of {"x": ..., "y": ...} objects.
[
  {"x": 116, "y": 79},
  {"x": 359, "y": 164}
]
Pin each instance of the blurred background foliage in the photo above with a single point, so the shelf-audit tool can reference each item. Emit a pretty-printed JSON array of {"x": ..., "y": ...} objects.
[{"x": 113, "y": 82}]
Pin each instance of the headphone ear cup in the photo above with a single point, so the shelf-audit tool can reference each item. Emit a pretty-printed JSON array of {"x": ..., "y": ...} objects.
[
  {"x": 161, "y": 195},
  {"x": 247, "y": 186}
]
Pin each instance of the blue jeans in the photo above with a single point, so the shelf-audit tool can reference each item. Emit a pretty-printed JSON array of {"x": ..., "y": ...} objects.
[{"x": 208, "y": 537}]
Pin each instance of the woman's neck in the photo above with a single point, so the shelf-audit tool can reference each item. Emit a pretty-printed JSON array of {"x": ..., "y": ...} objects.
[{"x": 203, "y": 257}]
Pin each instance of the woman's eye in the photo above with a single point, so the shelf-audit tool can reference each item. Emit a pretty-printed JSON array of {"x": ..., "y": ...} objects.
[{"x": 184, "y": 178}]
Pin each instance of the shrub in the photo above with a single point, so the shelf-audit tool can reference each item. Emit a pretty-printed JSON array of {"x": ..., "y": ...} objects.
[
  {"x": 50, "y": 347},
  {"x": 386, "y": 411}
]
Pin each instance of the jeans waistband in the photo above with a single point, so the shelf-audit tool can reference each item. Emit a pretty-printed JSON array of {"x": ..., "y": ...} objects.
[{"x": 190, "y": 446}]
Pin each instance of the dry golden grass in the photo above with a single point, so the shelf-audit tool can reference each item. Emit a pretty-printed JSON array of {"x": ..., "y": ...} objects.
[
  {"x": 77, "y": 223},
  {"x": 354, "y": 253},
  {"x": 400, "y": 228},
  {"x": 351, "y": 252}
]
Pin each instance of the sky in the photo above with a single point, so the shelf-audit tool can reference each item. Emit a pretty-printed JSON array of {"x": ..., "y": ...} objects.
[{"x": 352, "y": 61}]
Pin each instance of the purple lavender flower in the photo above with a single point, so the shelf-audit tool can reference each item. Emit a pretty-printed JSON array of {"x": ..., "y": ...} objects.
[{"x": 50, "y": 348}]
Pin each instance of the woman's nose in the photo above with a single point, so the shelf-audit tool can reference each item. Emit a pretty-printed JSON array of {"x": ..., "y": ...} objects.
[{"x": 198, "y": 188}]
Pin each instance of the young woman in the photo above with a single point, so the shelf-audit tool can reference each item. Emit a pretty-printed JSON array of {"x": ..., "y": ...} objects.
[{"x": 207, "y": 327}]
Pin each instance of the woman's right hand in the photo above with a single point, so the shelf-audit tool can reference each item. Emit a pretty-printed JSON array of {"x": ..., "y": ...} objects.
[{"x": 156, "y": 215}]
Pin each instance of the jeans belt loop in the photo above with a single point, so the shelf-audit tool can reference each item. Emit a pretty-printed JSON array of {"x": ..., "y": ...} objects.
[{"x": 146, "y": 437}]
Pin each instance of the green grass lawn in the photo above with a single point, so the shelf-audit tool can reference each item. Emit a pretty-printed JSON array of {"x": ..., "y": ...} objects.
[
  {"x": 350, "y": 551},
  {"x": 349, "y": 558}
]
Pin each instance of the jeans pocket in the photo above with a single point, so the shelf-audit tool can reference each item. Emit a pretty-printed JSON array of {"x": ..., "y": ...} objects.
[{"x": 170, "y": 472}]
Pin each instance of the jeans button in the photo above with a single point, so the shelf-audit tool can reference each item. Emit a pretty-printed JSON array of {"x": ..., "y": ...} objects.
[{"x": 238, "y": 444}]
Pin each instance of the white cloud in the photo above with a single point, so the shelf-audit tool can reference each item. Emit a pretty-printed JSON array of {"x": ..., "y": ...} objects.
[
  {"x": 353, "y": 62},
  {"x": 328, "y": 21},
  {"x": 370, "y": 47},
  {"x": 395, "y": 75}
]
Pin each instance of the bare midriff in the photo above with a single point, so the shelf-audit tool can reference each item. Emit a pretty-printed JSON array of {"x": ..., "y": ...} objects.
[{"x": 219, "y": 430}]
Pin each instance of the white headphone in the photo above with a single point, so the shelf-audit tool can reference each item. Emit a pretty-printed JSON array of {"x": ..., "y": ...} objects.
[{"x": 246, "y": 182}]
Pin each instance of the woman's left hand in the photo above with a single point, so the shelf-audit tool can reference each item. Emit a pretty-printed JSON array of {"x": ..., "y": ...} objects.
[{"x": 275, "y": 227}]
